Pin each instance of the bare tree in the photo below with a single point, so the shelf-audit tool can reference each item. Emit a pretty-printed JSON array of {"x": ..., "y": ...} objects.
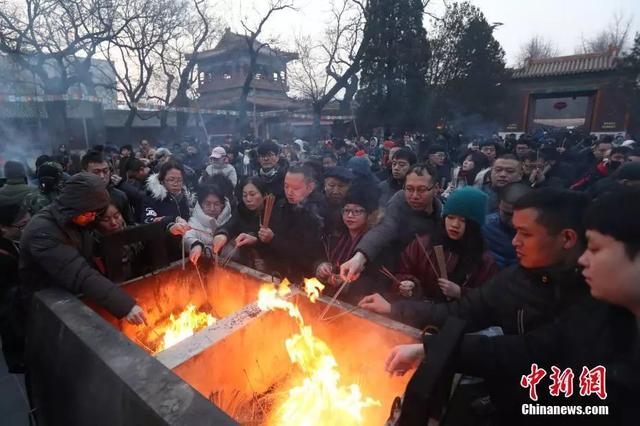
[
  {"x": 254, "y": 48},
  {"x": 132, "y": 54},
  {"x": 327, "y": 67},
  {"x": 615, "y": 35},
  {"x": 536, "y": 48},
  {"x": 56, "y": 40},
  {"x": 178, "y": 60}
]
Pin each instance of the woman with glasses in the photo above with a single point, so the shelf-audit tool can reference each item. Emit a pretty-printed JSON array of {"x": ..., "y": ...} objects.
[
  {"x": 211, "y": 211},
  {"x": 358, "y": 215},
  {"x": 168, "y": 200}
]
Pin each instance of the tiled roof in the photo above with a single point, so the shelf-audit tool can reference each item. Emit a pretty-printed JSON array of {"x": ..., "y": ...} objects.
[
  {"x": 233, "y": 42},
  {"x": 568, "y": 65}
]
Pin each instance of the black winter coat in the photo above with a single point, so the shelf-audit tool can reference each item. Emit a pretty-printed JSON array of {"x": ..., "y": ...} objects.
[
  {"x": 57, "y": 252},
  {"x": 159, "y": 203}
]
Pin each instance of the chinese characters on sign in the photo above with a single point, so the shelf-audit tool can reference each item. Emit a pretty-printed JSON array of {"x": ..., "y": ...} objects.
[{"x": 591, "y": 381}]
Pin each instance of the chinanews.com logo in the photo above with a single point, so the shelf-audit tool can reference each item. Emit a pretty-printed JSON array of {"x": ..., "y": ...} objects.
[{"x": 591, "y": 382}]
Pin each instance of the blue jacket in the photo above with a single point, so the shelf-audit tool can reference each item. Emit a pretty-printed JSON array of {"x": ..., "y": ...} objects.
[{"x": 498, "y": 237}]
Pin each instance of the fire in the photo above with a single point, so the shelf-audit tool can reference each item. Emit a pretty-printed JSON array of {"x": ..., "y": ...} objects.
[
  {"x": 188, "y": 322},
  {"x": 319, "y": 399}
]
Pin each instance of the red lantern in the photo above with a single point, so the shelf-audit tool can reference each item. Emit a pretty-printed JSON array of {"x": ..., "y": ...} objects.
[{"x": 560, "y": 105}]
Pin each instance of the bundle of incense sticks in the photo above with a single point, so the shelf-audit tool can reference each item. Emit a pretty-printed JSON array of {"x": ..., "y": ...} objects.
[
  {"x": 269, "y": 201},
  {"x": 426, "y": 254},
  {"x": 384, "y": 271}
]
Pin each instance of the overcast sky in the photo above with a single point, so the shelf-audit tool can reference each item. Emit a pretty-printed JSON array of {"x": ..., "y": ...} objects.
[{"x": 564, "y": 22}]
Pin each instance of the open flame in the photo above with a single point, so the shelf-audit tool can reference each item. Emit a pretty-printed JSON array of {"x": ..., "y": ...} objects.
[
  {"x": 319, "y": 399},
  {"x": 186, "y": 324}
]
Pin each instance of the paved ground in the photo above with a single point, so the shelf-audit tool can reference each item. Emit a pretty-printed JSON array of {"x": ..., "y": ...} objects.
[{"x": 14, "y": 408}]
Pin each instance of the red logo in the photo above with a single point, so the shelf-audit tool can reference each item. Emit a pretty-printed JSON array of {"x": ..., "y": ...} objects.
[
  {"x": 591, "y": 381},
  {"x": 531, "y": 380}
]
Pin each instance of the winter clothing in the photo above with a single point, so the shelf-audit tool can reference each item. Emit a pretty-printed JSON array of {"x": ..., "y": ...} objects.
[
  {"x": 468, "y": 202},
  {"x": 415, "y": 267},
  {"x": 498, "y": 237},
  {"x": 274, "y": 179},
  {"x": 388, "y": 189},
  {"x": 58, "y": 252},
  {"x": 12, "y": 345},
  {"x": 296, "y": 246},
  {"x": 399, "y": 227},
  {"x": 14, "y": 191},
  {"x": 121, "y": 201},
  {"x": 227, "y": 170},
  {"x": 203, "y": 222},
  {"x": 160, "y": 203},
  {"x": 134, "y": 189}
]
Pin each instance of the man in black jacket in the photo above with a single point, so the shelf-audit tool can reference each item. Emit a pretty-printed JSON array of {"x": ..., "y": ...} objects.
[
  {"x": 57, "y": 249},
  {"x": 294, "y": 237},
  {"x": 522, "y": 298}
]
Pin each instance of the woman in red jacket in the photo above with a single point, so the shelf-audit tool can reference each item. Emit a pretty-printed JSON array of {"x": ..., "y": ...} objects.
[{"x": 468, "y": 262}]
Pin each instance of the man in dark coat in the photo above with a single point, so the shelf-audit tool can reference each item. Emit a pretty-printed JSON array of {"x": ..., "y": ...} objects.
[
  {"x": 294, "y": 237},
  {"x": 272, "y": 168},
  {"x": 57, "y": 249},
  {"x": 15, "y": 189},
  {"x": 401, "y": 163},
  {"x": 520, "y": 299},
  {"x": 95, "y": 163},
  {"x": 414, "y": 210}
]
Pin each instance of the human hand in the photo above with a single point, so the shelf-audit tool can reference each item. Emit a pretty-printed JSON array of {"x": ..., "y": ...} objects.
[
  {"x": 351, "y": 269},
  {"x": 324, "y": 271},
  {"x": 136, "y": 316},
  {"x": 265, "y": 235},
  {"x": 406, "y": 288},
  {"x": 195, "y": 253},
  {"x": 449, "y": 288},
  {"x": 179, "y": 228},
  {"x": 375, "y": 303},
  {"x": 403, "y": 358},
  {"x": 218, "y": 242},
  {"x": 115, "y": 179},
  {"x": 245, "y": 240}
]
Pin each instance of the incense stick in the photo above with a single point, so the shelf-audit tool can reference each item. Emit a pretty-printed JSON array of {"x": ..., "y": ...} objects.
[
  {"x": 206, "y": 295},
  {"x": 384, "y": 271},
  {"x": 228, "y": 257},
  {"x": 345, "y": 312},
  {"x": 442, "y": 263},
  {"x": 426, "y": 254},
  {"x": 269, "y": 201},
  {"x": 332, "y": 301}
]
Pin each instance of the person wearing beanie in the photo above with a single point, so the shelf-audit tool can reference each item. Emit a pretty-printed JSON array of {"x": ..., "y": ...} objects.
[
  {"x": 468, "y": 262},
  {"x": 358, "y": 216},
  {"x": 57, "y": 250},
  {"x": 15, "y": 189}
]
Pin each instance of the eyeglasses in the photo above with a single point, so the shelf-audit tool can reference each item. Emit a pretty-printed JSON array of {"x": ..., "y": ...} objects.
[
  {"x": 353, "y": 212},
  {"x": 173, "y": 180},
  {"x": 211, "y": 206},
  {"x": 419, "y": 190}
]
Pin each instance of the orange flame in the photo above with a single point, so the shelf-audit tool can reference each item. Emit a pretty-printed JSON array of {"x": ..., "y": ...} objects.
[
  {"x": 319, "y": 399},
  {"x": 188, "y": 322},
  {"x": 313, "y": 288}
]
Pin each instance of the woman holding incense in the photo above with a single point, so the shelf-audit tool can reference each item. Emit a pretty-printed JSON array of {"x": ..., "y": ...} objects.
[
  {"x": 462, "y": 250},
  {"x": 241, "y": 231},
  {"x": 358, "y": 216},
  {"x": 211, "y": 211}
]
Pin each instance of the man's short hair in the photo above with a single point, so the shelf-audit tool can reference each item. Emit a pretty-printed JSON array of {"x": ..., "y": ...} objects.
[
  {"x": 512, "y": 192},
  {"x": 330, "y": 155},
  {"x": 613, "y": 214},
  {"x": 620, "y": 150},
  {"x": 305, "y": 170},
  {"x": 424, "y": 170},
  {"x": 134, "y": 165},
  {"x": 92, "y": 156},
  {"x": 508, "y": 157},
  {"x": 265, "y": 148},
  {"x": 405, "y": 154},
  {"x": 557, "y": 209}
]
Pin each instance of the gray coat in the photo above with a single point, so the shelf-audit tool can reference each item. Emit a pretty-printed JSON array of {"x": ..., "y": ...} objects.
[{"x": 398, "y": 227}]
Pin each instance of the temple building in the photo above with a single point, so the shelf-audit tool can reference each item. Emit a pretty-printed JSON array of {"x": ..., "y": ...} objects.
[{"x": 576, "y": 92}]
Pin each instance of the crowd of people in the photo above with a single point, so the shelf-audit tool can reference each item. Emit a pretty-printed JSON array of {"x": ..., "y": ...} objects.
[{"x": 538, "y": 235}]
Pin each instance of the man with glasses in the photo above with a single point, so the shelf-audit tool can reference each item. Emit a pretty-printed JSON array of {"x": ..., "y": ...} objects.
[
  {"x": 401, "y": 161},
  {"x": 414, "y": 210},
  {"x": 436, "y": 158},
  {"x": 272, "y": 170}
]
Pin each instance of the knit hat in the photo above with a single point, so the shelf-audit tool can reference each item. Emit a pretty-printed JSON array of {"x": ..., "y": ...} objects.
[
  {"x": 50, "y": 175},
  {"x": 361, "y": 197},
  {"x": 83, "y": 192},
  {"x": 468, "y": 202},
  {"x": 359, "y": 166}
]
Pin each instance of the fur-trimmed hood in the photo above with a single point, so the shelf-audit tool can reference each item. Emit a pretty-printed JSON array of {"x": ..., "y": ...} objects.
[
  {"x": 159, "y": 192},
  {"x": 202, "y": 221}
]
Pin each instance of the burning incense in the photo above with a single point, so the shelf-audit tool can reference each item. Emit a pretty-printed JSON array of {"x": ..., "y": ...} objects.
[
  {"x": 442, "y": 264},
  {"x": 345, "y": 312},
  {"x": 333, "y": 300}
]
